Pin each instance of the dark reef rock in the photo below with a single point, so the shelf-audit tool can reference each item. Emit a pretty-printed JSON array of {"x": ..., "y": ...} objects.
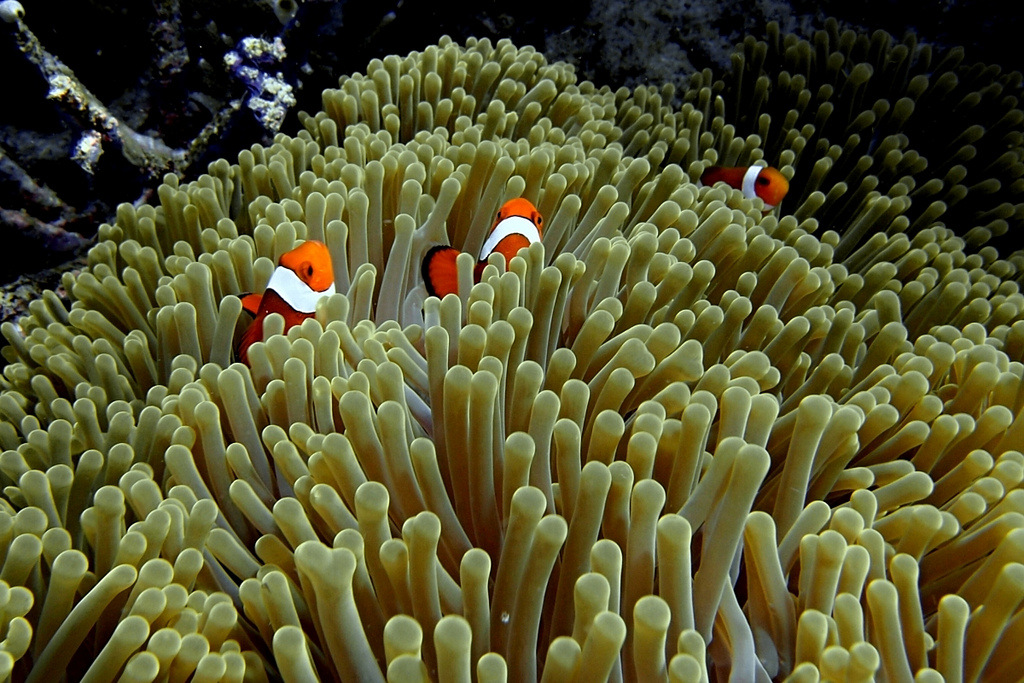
[{"x": 151, "y": 91}]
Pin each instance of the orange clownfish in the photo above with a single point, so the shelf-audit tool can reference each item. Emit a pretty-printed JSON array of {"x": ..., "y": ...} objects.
[
  {"x": 517, "y": 225},
  {"x": 754, "y": 181},
  {"x": 302, "y": 277}
]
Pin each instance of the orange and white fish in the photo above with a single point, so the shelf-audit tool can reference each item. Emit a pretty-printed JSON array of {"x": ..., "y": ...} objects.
[
  {"x": 303, "y": 276},
  {"x": 517, "y": 225},
  {"x": 765, "y": 182}
]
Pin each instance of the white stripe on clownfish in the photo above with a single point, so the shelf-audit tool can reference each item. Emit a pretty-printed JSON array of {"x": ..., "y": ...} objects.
[
  {"x": 513, "y": 225},
  {"x": 295, "y": 292},
  {"x": 749, "y": 178}
]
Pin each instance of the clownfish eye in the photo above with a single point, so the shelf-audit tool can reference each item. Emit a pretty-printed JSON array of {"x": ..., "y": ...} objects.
[
  {"x": 537, "y": 218},
  {"x": 309, "y": 270},
  {"x": 761, "y": 180}
]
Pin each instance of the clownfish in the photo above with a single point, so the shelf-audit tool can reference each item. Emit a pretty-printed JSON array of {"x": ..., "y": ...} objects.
[
  {"x": 302, "y": 277},
  {"x": 517, "y": 225},
  {"x": 754, "y": 181}
]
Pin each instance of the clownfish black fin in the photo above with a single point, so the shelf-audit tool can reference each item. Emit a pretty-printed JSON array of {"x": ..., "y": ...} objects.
[{"x": 440, "y": 275}]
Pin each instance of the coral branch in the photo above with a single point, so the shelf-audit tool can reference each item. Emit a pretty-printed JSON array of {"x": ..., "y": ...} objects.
[{"x": 78, "y": 102}]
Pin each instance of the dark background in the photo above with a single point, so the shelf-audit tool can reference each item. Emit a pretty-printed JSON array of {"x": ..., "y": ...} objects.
[{"x": 159, "y": 67}]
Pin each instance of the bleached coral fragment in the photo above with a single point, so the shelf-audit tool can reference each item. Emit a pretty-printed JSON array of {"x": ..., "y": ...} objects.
[
  {"x": 11, "y": 11},
  {"x": 270, "y": 94}
]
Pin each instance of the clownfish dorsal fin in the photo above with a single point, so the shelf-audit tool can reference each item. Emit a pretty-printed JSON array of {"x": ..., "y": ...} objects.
[{"x": 251, "y": 302}]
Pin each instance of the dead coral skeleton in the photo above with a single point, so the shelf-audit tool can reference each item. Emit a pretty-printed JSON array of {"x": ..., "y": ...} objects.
[{"x": 78, "y": 102}]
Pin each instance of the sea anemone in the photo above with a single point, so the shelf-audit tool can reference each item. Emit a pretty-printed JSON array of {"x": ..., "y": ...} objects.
[
  {"x": 891, "y": 136},
  {"x": 679, "y": 440}
]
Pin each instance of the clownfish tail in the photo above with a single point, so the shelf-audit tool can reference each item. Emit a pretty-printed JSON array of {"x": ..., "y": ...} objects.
[{"x": 439, "y": 272}]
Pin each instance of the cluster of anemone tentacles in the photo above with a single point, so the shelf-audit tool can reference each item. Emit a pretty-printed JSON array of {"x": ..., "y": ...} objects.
[
  {"x": 886, "y": 138},
  {"x": 678, "y": 440}
]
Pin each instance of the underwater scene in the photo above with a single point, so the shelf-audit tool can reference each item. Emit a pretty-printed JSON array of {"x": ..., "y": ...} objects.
[{"x": 667, "y": 341}]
